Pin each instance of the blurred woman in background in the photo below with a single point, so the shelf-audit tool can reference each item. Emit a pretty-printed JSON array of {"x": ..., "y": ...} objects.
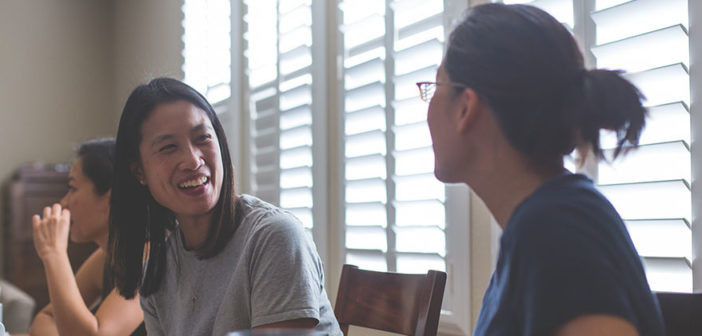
[{"x": 87, "y": 303}]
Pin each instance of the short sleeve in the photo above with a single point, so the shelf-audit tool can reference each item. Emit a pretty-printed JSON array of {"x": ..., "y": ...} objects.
[
  {"x": 565, "y": 268},
  {"x": 286, "y": 273},
  {"x": 151, "y": 321}
]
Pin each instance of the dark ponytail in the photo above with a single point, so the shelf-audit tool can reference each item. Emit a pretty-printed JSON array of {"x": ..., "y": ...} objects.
[
  {"x": 612, "y": 103},
  {"x": 529, "y": 69}
]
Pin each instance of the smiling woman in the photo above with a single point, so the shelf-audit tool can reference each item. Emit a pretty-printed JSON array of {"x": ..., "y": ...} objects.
[{"x": 217, "y": 261}]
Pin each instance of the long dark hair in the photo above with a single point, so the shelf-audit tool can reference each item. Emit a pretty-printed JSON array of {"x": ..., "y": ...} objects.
[
  {"x": 98, "y": 160},
  {"x": 528, "y": 68},
  {"x": 135, "y": 217}
]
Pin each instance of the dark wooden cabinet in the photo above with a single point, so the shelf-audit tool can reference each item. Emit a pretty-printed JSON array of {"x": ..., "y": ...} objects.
[{"x": 27, "y": 193}]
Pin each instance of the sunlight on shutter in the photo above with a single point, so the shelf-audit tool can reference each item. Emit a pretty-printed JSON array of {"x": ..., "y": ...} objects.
[
  {"x": 650, "y": 187},
  {"x": 279, "y": 58},
  {"x": 417, "y": 197},
  {"x": 206, "y": 48}
]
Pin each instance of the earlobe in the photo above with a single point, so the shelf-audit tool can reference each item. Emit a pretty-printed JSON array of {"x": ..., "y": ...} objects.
[
  {"x": 471, "y": 107},
  {"x": 138, "y": 172}
]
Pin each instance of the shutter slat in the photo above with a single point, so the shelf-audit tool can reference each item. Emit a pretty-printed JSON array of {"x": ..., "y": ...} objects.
[
  {"x": 365, "y": 73},
  {"x": 643, "y": 52},
  {"x": 418, "y": 187},
  {"x": 663, "y": 85},
  {"x": 424, "y": 55},
  {"x": 367, "y": 143},
  {"x": 368, "y": 190},
  {"x": 364, "y": 97},
  {"x": 365, "y": 30},
  {"x": 414, "y": 161},
  {"x": 420, "y": 239},
  {"x": 408, "y": 12},
  {"x": 638, "y": 17},
  {"x": 417, "y": 263},
  {"x": 301, "y": 115},
  {"x": 296, "y": 157},
  {"x": 410, "y": 110},
  {"x": 370, "y": 260},
  {"x": 433, "y": 23},
  {"x": 296, "y": 197},
  {"x": 647, "y": 234},
  {"x": 369, "y": 119},
  {"x": 420, "y": 213},
  {"x": 667, "y": 122},
  {"x": 412, "y": 136},
  {"x": 296, "y": 137},
  {"x": 295, "y": 59},
  {"x": 668, "y": 274},
  {"x": 650, "y": 200},
  {"x": 364, "y": 167},
  {"x": 654, "y": 162},
  {"x": 366, "y": 238},
  {"x": 366, "y": 213}
]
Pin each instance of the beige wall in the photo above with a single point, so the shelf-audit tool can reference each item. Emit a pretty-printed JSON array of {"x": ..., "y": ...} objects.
[
  {"x": 147, "y": 43},
  {"x": 55, "y": 79},
  {"x": 66, "y": 68}
]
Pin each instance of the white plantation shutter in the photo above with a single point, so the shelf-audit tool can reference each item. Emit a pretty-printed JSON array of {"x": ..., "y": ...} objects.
[
  {"x": 394, "y": 205},
  {"x": 395, "y": 210},
  {"x": 650, "y": 186},
  {"x": 262, "y": 56},
  {"x": 206, "y": 52},
  {"x": 279, "y": 55}
]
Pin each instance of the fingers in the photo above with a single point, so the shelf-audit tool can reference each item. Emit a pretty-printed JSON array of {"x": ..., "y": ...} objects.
[
  {"x": 56, "y": 210},
  {"x": 66, "y": 215},
  {"x": 51, "y": 231}
]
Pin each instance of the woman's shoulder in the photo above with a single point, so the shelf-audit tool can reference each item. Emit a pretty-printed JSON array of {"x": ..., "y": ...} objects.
[
  {"x": 261, "y": 218},
  {"x": 94, "y": 264},
  {"x": 264, "y": 215}
]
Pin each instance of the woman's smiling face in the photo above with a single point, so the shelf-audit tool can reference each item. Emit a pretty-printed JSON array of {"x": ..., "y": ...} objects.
[{"x": 181, "y": 161}]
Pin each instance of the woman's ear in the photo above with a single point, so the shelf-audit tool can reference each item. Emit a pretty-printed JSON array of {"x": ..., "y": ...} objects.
[
  {"x": 472, "y": 105},
  {"x": 138, "y": 172}
]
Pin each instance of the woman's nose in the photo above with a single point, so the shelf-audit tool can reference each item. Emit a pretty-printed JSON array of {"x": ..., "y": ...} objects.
[
  {"x": 192, "y": 158},
  {"x": 64, "y": 201}
]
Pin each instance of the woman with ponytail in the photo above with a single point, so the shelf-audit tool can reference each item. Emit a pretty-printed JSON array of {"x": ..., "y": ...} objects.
[{"x": 511, "y": 99}]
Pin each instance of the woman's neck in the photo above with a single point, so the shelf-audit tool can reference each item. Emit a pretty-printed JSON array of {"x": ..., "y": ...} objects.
[
  {"x": 507, "y": 183},
  {"x": 102, "y": 241},
  {"x": 195, "y": 229}
]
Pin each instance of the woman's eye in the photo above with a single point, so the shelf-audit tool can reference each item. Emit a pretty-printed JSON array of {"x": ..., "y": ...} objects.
[
  {"x": 166, "y": 148},
  {"x": 204, "y": 137}
]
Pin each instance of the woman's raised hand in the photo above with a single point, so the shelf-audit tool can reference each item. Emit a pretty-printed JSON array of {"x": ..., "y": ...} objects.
[{"x": 51, "y": 231}]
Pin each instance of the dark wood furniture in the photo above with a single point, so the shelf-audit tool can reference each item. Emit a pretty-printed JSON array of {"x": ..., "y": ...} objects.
[
  {"x": 682, "y": 313},
  {"x": 27, "y": 193},
  {"x": 408, "y": 304}
]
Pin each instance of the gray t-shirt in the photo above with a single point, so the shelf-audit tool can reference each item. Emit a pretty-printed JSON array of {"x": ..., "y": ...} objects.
[{"x": 268, "y": 272}]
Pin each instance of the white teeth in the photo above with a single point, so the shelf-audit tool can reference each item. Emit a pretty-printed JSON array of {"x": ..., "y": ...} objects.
[{"x": 193, "y": 183}]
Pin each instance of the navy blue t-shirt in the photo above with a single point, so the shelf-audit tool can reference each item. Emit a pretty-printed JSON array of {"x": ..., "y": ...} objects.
[{"x": 565, "y": 252}]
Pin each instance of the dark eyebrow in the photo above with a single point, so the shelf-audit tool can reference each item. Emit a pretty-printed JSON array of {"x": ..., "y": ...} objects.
[
  {"x": 160, "y": 139},
  {"x": 201, "y": 127}
]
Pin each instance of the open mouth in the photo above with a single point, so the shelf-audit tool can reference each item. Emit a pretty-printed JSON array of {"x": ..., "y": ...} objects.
[{"x": 194, "y": 183}]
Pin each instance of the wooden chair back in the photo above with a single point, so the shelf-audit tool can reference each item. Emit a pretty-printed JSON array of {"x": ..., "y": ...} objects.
[
  {"x": 682, "y": 313},
  {"x": 408, "y": 304}
]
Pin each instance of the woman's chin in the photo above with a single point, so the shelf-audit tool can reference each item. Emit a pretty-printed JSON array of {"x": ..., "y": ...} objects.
[{"x": 74, "y": 238}]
